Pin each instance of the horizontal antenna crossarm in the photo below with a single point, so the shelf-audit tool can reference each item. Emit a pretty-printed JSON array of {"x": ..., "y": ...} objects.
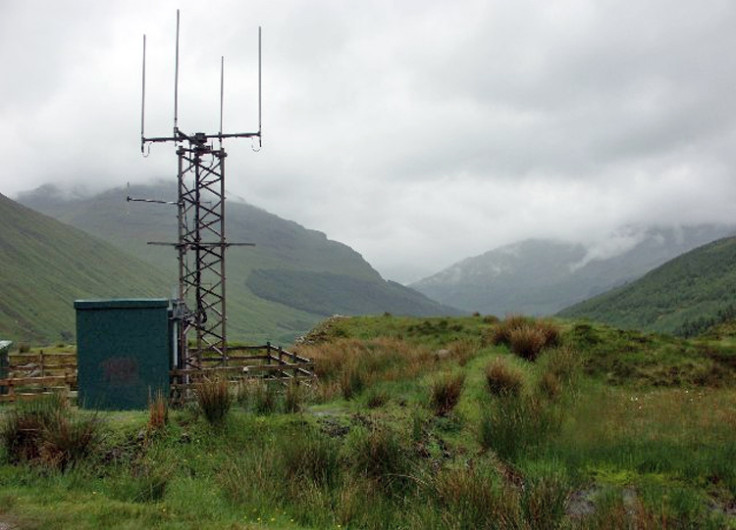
[
  {"x": 201, "y": 245},
  {"x": 154, "y": 201}
]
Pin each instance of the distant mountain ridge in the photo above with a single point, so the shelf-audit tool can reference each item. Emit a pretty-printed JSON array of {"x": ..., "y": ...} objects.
[
  {"x": 272, "y": 293},
  {"x": 683, "y": 296},
  {"x": 541, "y": 277},
  {"x": 45, "y": 265}
]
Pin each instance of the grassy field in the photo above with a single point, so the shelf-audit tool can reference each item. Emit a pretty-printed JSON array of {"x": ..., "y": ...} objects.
[{"x": 415, "y": 423}]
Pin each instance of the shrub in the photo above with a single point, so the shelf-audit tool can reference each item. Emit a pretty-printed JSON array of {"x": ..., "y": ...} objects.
[
  {"x": 526, "y": 342},
  {"x": 503, "y": 379},
  {"x": 213, "y": 398},
  {"x": 445, "y": 393},
  {"x": 24, "y": 347}
]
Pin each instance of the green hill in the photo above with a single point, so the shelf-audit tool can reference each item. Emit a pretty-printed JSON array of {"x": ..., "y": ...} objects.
[
  {"x": 46, "y": 265},
  {"x": 684, "y": 296},
  {"x": 277, "y": 290}
]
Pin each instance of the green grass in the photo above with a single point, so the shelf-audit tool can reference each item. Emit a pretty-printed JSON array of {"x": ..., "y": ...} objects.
[{"x": 598, "y": 452}]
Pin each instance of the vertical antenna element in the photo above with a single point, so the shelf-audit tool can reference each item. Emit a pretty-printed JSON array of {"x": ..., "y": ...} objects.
[
  {"x": 222, "y": 93},
  {"x": 143, "y": 96},
  {"x": 176, "y": 79},
  {"x": 259, "y": 84}
]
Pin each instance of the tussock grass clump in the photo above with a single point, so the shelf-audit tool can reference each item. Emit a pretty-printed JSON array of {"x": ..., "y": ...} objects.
[
  {"x": 23, "y": 428},
  {"x": 213, "y": 399},
  {"x": 527, "y": 342},
  {"x": 376, "y": 398},
  {"x": 463, "y": 350},
  {"x": 261, "y": 396},
  {"x": 310, "y": 456},
  {"x": 45, "y": 431},
  {"x": 543, "y": 502},
  {"x": 526, "y": 337},
  {"x": 475, "y": 497},
  {"x": 265, "y": 400},
  {"x": 513, "y": 424},
  {"x": 445, "y": 393},
  {"x": 502, "y": 331},
  {"x": 502, "y": 379},
  {"x": 376, "y": 452},
  {"x": 352, "y": 380},
  {"x": 158, "y": 412},
  {"x": 66, "y": 439},
  {"x": 550, "y": 386},
  {"x": 295, "y": 396}
]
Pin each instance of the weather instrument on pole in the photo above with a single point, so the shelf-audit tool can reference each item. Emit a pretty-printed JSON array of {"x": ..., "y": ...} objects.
[{"x": 201, "y": 241}]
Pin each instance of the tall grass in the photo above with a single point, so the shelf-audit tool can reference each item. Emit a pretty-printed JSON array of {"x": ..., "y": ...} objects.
[
  {"x": 376, "y": 452},
  {"x": 310, "y": 455},
  {"x": 445, "y": 392},
  {"x": 512, "y": 425},
  {"x": 45, "y": 431},
  {"x": 502, "y": 379},
  {"x": 158, "y": 412},
  {"x": 214, "y": 399},
  {"x": 526, "y": 337}
]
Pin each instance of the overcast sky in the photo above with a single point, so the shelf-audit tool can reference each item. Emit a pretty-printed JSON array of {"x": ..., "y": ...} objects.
[{"x": 417, "y": 132}]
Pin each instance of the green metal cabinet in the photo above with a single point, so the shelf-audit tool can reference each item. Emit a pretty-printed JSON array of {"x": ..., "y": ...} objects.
[
  {"x": 4, "y": 362},
  {"x": 124, "y": 352}
]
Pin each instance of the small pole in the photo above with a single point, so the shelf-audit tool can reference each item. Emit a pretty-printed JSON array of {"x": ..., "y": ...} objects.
[
  {"x": 176, "y": 79},
  {"x": 143, "y": 96},
  {"x": 222, "y": 93}
]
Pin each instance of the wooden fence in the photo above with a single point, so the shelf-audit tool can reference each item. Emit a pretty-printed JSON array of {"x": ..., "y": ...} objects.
[
  {"x": 264, "y": 362},
  {"x": 35, "y": 374},
  {"x": 32, "y": 375}
]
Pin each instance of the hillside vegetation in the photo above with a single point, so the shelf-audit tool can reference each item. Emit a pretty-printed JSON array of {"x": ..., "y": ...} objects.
[
  {"x": 45, "y": 266},
  {"x": 684, "y": 296},
  {"x": 414, "y": 423},
  {"x": 277, "y": 290}
]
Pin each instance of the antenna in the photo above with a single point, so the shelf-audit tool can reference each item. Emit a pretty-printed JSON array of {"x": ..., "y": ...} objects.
[
  {"x": 143, "y": 97},
  {"x": 200, "y": 206},
  {"x": 222, "y": 93},
  {"x": 259, "y": 85},
  {"x": 176, "y": 79}
]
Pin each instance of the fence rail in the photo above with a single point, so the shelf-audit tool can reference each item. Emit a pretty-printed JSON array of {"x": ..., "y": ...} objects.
[{"x": 31, "y": 375}]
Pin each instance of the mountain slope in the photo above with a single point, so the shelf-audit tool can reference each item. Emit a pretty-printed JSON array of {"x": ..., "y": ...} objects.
[
  {"x": 682, "y": 296},
  {"x": 276, "y": 290},
  {"x": 541, "y": 277},
  {"x": 46, "y": 265}
]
